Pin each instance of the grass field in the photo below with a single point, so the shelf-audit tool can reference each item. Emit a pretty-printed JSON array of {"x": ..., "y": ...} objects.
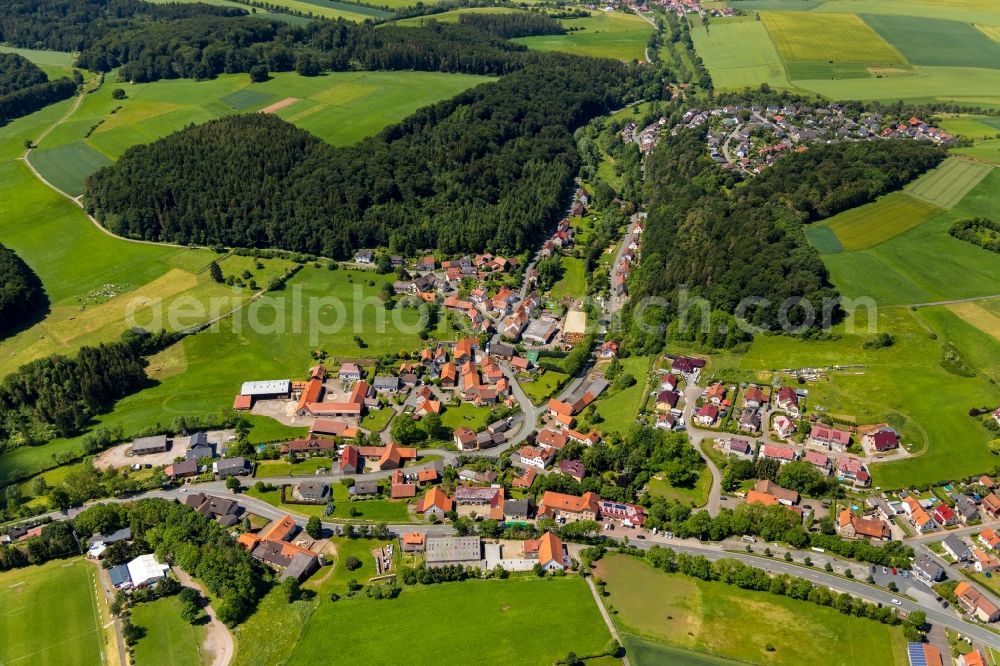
[
  {"x": 867, "y": 226},
  {"x": 452, "y": 16},
  {"x": 991, "y": 31},
  {"x": 573, "y": 283},
  {"x": 168, "y": 639},
  {"x": 974, "y": 328},
  {"x": 713, "y": 618},
  {"x": 948, "y": 184},
  {"x": 330, "y": 10},
  {"x": 808, "y": 37},
  {"x": 619, "y": 410},
  {"x": 647, "y": 653},
  {"x": 967, "y": 85},
  {"x": 67, "y": 166},
  {"x": 467, "y": 415},
  {"x": 696, "y": 496},
  {"x": 544, "y": 386},
  {"x": 971, "y": 11},
  {"x": 506, "y": 627},
  {"x": 938, "y": 43},
  {"x": 924, "y": 264},
  {"x": 985, "y": 151},
  {"x": 975, "y": 127},
  {"x": 903, "y": 383},
  {"x": 603, "y": 35},
  {"x": 50, "y": 615}
]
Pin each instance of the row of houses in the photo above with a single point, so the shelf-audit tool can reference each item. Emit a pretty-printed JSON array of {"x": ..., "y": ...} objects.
[
  {"x": 275, "y": 546},
  {"x": 847, "y": 470}
]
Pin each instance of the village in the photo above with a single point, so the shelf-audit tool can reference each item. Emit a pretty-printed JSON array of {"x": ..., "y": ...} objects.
[{"x": 750, "y": 139}]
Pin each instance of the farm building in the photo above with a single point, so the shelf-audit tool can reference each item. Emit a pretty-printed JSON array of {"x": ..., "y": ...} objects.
[{"x": 146, "y": 445}]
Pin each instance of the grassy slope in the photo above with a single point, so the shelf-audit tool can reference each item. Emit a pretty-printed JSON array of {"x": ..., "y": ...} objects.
[
  {"x": 168, "y": 639},
  {"x": 715, "y": 618},
  {"x": 482, "y": 622},
  {"x": 620, "y": 409},
  {"x": 925, "y": 264},
  {"x": 604, "y": 35},
  {"x": 573, "y": 283},
  {"x": 50, "y": 615}
]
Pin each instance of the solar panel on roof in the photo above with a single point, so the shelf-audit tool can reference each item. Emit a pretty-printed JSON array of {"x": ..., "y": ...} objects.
[{"x": 916, "y": 654}]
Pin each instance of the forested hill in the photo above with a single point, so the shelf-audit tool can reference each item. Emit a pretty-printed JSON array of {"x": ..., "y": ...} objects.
[
  {"x": 18, "y": 72},
  {"x": 21, "y": 292},
  {"x": 750, "y": 242},
  {"x": 488, "y": 169}
]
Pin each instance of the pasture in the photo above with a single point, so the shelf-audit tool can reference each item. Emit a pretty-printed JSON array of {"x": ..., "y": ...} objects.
[
  {"x": 976, "y": 315},
  {"x": 974, "y": 127},
  {"x": 615, "y": 35},
  {"x": 936, "y": 42},
  {"x": 867, "y": 226},
  {"x": 647, "y": 653},
  {"x": 739, "y": 53},
  {"x": 948, "y": 184},
  {"x": 168, "y": 638},
  {"x": 711, "y": 618},
  {"x": 811, "y": 37},
  {"x": 51, "y": 615},
  {"x": 985, "y": 151},
  {"x": 506, "y": 629}
]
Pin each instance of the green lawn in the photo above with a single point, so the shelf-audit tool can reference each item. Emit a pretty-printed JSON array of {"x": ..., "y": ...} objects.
[
  {"x": 647, "y": 653},
  {"x": 50, "y": 615},
  {"x": 602, "y": 35},
  {"x": 467, "y": 415},
  {"x": 974, "y": 127},
  {"x": 544, "y": 386},
  {"x": 573, "y": 283},
  {"x": 695, "y": 496},
  {"x": 720, "y": 619},
  {"x": 739, "y": 53},
  {"x": 619, "y": 410},
  {"x": 168, "y": 639},
  {"x": 270, "y": 469},
  {"x": 377, "y": 420},
  {"x": 484, "y": 622}
]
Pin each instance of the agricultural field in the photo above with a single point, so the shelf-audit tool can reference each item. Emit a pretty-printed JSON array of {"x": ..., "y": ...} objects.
[
  {"x": 507, "y": 614},
  {"x": 61, "y": 597},
  {"x": 66, "y": 167},
  {"x": 970, "y": 11},
  {"x": 974, "y": 127},
  {"x": 602, "y": 35},
  {"x": 948, "y": 184},
  {"x": 168, "y": 638},
  {"x": 984, "y": 151},
  {"x": 867, "y": 226},
  {"x": 739, "y": 53},
  {"x": 924, "y": 264},
  {"x": 647, "y": 653},
  {"x": 901, "y": 384},
  {"x": 55, "y": 64},
  {"x": 711, "y": 618},
  {"x": 260, "y": 11},
  {"x": 844, "y": 38},
  {"x": 937, "y": 43}
]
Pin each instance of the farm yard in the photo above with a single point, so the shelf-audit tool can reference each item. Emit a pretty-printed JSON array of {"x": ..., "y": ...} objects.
[
  {"x": 602, "y": 35},
  {"x": 60, "y": 597},
  {"x": 711, "y": 617}
]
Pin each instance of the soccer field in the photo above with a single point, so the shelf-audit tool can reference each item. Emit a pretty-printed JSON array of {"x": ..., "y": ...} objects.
[{"x": 49, "y": 615}]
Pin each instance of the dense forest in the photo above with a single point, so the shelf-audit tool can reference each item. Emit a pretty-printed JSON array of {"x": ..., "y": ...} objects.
[
  {"x": 18, "y": 72},
  {"x": 21, "y": 293},
  {"x": 509, "y": 26},
  {"x": 728, "y": 242},
  {"x": 59, "y": 395},
  {"x": 488, "y": 169}
]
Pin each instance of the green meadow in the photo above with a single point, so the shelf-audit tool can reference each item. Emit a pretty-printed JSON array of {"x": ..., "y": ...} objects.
[
  {"x": 948, "y": 184},
  {"x": 905, "y": 384},
  {"x": 713, "y": 619},
  {"x": 452, "y": 15},
  {"x": 602, "y": 35},
  {"x": 573, "y": 283},
  {"x": 937, "y": 43},
  {"x": 811, "y": 37},
  {"x": 508, "y": 616},
  {"x": 168, "y": 639},
  {"x": 50, "y": 615},
  {"x": 867, "y": 226},
  {"x": 619, "y": 410},
  {"x": 923, "y": 264}
]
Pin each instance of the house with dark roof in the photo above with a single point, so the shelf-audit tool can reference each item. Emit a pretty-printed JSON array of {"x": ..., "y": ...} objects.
[
  {"x": 573, "y": 468},
  {"x": 881, "y": 440},
  {"x": 183, "y": 469},
  {"x": 143, "y": 446},
  {"x": 363, "y": 489},
  {"x": 927, "y": 570},
  {"x": 313, "y": 491},
  {"x": 227, "y": 467}
]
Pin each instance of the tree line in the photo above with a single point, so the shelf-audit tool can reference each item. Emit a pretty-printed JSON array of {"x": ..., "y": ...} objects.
[
  {"x": 18, "y": 72},
  {"x": 489, "y": 169},
  {"x": 25, "y": 88},
  {"x": 980, "y": 231},
  {"x": 21, "y": 293},
  {"x": 64, "y": 393}
]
